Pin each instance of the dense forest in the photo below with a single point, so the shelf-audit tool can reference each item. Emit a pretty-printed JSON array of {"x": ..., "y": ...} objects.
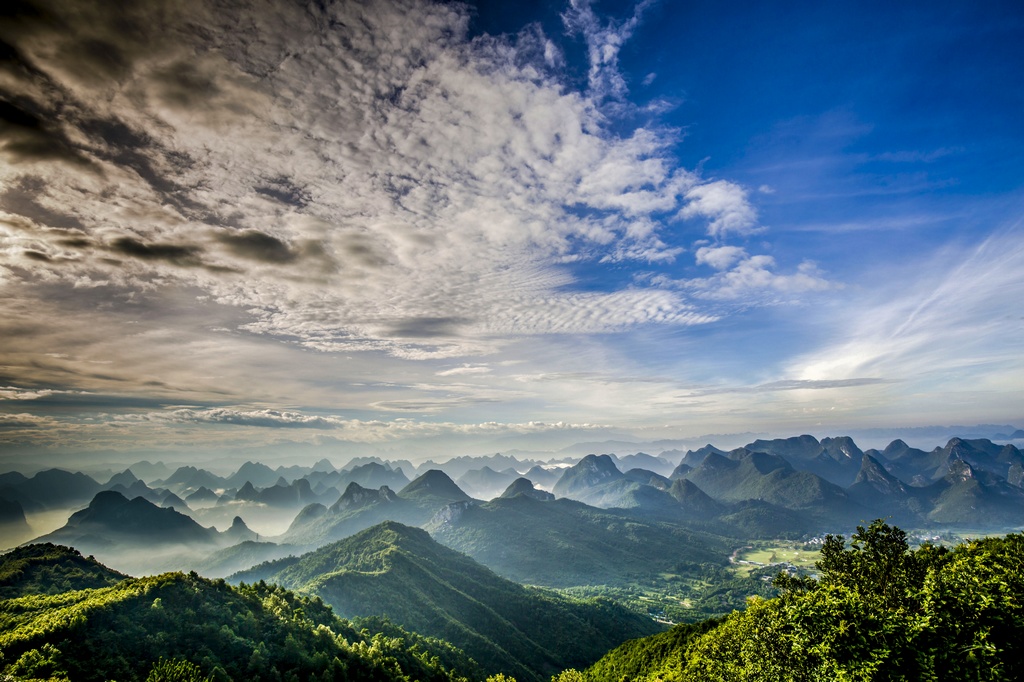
[{"x": 184, "y": 627}]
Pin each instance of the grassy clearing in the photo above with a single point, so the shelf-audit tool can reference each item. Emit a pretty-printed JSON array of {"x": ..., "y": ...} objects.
[{"x": 762, "y": 555}]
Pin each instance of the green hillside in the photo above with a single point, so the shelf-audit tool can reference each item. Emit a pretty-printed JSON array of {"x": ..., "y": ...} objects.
[
  {"x": 184, "y": 627},
  {"x": 400, "y": 572},
  {"x": 877, "y": 612},
  {"x": 51, "y": 569}
]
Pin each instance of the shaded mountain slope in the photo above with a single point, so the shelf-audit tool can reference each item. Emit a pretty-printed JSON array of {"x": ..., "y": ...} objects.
[
  {"x": 591, "y": 472},
  {"x": 887, "y": 496},
  {"x": 563, "y": 543},
  {"x": 751, "y": 475},
  {"x": 136, "y": 536},
  {"x": 967, "y": 498}
]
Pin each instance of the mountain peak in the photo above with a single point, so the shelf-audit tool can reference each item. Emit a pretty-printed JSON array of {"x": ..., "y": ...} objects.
[
  {"x": 107, "y": 499},
  {"x": 803, "y": 447},
  {"x": 356, "y": 496},
  {"x": 692, "y": 499},
  {"x": 112, "y": 515},
  {"x": 525, "y": 487},
  {"x": 841, "y": 448},
  {"x": 239, "y": 532},
  {"x": 324, "y": 466},
  {"x": 434, "y": 483},
  {"x": 590, "y": 471},
  {"x": 125, "y": 478},
  {"x": 246, "y": 492},
  {"x": 872, "y": 474}
]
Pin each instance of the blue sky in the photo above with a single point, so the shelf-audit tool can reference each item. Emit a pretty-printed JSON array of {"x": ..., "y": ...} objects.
[{"x": 394, "y": 226}]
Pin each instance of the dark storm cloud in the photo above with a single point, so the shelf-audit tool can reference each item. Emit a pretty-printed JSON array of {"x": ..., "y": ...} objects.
[
  {"x": 25, "y": 136},
  {"x": 258, "y": 246},
  {"x": 178, "y": 254},
  {"x": 99, "y": 44},
  {"x": 183, "y": 85},
  {"x": 76, "y": 243},
  {"x": 129, "y": 148}
]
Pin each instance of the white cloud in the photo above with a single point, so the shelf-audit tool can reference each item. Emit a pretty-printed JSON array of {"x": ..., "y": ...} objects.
[
  {"x": 725, "y": 204},
  {"x": 604, "y": 41},
  {"x": 720, "y": 257},
  {"x": 464, "y": 370},
  {"x": 15, "y": 393},
  {"x": 418, "y": 195},
  {"x": 747, "y": 279}
]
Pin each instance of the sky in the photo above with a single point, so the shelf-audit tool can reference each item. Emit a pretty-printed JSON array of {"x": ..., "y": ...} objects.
[{"x": 422, "y": 228}]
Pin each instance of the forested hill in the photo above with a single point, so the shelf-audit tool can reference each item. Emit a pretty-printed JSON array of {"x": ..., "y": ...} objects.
[
  {"x": 46, "y": 568},
  {"x": 187, "y": 628},
  {"x": 399, "y": 571},
  {"x": 878, "y": 611}
]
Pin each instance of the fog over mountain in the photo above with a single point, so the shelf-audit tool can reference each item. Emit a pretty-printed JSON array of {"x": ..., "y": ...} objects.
[{"x": 790, "y": 487}]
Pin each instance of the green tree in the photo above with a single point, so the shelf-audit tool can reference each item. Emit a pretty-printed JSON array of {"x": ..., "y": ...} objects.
[
  {"x": 175, "y": 670},
  {"x": 878, "y": 565}
]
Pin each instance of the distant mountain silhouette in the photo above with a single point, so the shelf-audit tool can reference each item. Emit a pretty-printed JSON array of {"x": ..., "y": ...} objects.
[
  {"x": 202, "y": 497},
  {"x": 434, "y": 485},
  {"x": 112, "y": 515},
  {"x": 256, "y": 473},
  {"x": 590, "y": 472},
  {"x": 694, "y": 457},
  {"x": 485, "y": 483},
  {"x": 359, "y": 508},
  {"x": 50, "y": 489},
  {"x": 187, "y": 479}
]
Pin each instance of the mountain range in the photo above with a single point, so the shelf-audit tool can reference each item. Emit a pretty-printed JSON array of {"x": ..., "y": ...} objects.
[{"x": 598, "y": 527}]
